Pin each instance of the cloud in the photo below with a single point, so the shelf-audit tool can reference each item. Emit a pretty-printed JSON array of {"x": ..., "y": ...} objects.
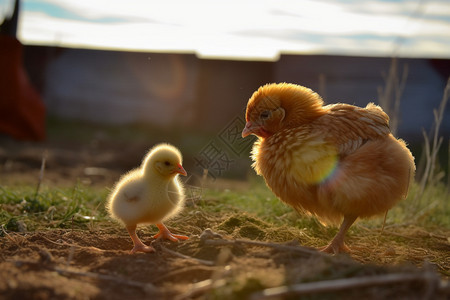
[
  {"x": 257, "y": 28},
  {"x": 58, "y": 9}
]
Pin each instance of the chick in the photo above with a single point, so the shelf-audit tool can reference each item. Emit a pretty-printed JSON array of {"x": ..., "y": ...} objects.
[
  {"x": 337, "y": 162},
  {"x": 150, "y": 194}
]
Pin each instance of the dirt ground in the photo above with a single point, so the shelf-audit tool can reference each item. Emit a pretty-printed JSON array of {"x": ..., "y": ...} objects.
[
  {"x": 65, "y": 264},
  {"x": 230, "y": 261}
]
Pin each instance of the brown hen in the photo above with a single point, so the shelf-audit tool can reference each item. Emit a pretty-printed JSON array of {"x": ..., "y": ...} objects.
[{"x": 337, "y": 162}]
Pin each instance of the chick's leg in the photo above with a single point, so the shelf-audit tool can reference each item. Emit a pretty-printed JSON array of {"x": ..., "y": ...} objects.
[
  {"x": 166, "y": 234},
  {"x": 138, "y": 245},
  {"x": 337, "y": 245}
]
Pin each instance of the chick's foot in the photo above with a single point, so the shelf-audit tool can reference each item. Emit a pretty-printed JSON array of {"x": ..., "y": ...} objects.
[
  {"x": 166, "y": 234},
  {"x": 138, "y": 245},
  {"x": 142, "y": 248}
]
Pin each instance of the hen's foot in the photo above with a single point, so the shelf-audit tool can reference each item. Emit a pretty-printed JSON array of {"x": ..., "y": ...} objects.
[
  {"x": 164, "y": 233},
  {"x": 337, "y": 245},
  {"x": 335, "y": 248}
]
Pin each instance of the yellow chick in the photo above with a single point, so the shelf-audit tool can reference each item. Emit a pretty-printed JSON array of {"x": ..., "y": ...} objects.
[{"x": 150, "y": 194}]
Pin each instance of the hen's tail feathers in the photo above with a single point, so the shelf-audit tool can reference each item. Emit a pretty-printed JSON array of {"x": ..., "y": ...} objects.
[{"x": 378, "y": 112}]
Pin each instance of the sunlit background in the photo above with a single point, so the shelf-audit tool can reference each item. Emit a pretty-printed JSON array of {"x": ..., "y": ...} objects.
[
  {"x": 242, "y": 29},
  {"x": 194, "y": 64}
]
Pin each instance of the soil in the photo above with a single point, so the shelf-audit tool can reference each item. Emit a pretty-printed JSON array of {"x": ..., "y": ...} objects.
[{"x": 96, "y": 263}]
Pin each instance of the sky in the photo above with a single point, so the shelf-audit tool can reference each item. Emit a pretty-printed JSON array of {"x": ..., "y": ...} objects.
[{"x": 241, "y": 29}]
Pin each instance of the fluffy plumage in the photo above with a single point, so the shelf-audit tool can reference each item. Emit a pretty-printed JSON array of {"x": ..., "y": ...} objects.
[
  {"x": 150, "y": 194},
  {"x": 336, "y": 161}
]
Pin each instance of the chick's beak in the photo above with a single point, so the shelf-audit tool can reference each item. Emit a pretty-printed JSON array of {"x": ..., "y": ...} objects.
[{"x": 180, "y": 170}]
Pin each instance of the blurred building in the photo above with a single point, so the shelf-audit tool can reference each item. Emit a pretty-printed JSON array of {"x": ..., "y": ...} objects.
[{"x": 183, "y": 90}]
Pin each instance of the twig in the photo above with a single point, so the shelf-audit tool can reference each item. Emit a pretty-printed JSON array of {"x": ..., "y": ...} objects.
[
  {"x": 181, "y": 271},
  {"x": 201, "y": 287},
  {"x": 384, "y": 222},
  {"x": 448, "y": 168},
  {"x": 426, "y": 210},
  {"x": 323, "y": 86},
  {"x": 217, "y": 279},
  {"x": 405, "y": 224},
  {"x": 41, "y": 175},
  {"x": 297, "y": 249},
  {"x": 9, "y": 237},
  {"x": 389, "y": 97},
  {"x": 73, "y": 245},
  {"x": 432, "y": 147},
  {"x": 399, "y": 235},
  {"x": 202, "y": 261},
  {"x": 430, "y": 278}
]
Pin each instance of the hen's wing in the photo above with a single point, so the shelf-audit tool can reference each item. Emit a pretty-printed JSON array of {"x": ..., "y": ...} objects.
[{"x": 349, "y": 127}]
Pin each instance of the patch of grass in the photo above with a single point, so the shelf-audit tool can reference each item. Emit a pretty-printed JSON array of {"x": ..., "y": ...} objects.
[
  {"x": 255, "y": 208},
  {"x": 433, "y": 211},
  {"x": 51, "y": 208},
  {"x": 257, "y": 199},
  {"x": 250, "y": 212}
]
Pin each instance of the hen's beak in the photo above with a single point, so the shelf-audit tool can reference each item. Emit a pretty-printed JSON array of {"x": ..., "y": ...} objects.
[
  {"x": 256, "y": 129},
  {"x": 180, "y": 170},
  {"x": 248, "y": 129}
]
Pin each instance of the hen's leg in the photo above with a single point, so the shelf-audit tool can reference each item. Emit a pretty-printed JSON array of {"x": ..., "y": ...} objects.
[
  {"x": 138, "y": 245},
  {"x": 337, "y": 245},
  {"x": 166, "y": 234}
]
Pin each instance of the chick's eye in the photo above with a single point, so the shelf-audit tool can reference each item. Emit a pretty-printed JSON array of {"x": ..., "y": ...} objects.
[
  {"x": 167, "y": 163},
  {"x": 264, "y": 115}
]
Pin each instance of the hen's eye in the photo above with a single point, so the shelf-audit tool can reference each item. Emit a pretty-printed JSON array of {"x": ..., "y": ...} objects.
[
  {"x": 265, "y": 114},
  {"x": 167, "y": 163}
]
